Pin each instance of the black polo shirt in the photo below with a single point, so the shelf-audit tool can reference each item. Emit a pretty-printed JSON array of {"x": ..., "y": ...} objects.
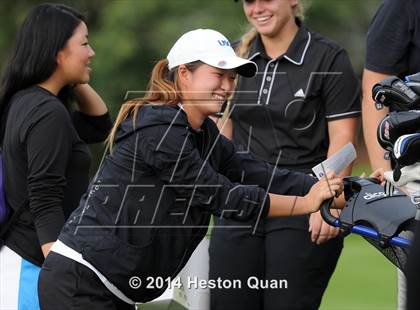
[
  {"x": 285, "y": 109},
  {"x": 393, "y": 39}
]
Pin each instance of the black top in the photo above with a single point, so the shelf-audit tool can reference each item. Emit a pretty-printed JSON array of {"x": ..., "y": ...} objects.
[
  {"x": 282, "y": 114},
  {"x": 46, "y": 161},
  {"x": 393, "y": 39},
  {"x": 285, "y": 108},
  {"x": 151, "y": 202}
]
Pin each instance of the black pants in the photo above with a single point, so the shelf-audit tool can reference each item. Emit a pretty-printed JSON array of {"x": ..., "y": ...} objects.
[
  {"x": 65, "y": 284},
  {"x": 286, "y": 254},
  {"x": 413, "y": 273}
]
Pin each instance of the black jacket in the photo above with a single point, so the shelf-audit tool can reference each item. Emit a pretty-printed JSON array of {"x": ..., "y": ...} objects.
[{"x": 151, "y": 202}]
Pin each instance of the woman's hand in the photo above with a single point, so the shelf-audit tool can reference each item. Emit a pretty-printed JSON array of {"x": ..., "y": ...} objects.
[
  {"x": 379, "y": 174},
  {"x": 88, "y": 101},
  {"x": 327, "y": 187},
  {"x": 320, "y": 230},
  {"x": 46, "y": 248}
]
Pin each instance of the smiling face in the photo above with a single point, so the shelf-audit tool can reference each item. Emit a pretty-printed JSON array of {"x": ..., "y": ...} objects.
[
  {"x": 73, "y": 60},
  {"x": 205, "y": 89},
  {"x": 269, "y": 17}
]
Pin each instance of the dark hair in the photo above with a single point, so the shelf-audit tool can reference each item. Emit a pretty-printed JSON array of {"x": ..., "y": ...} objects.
[{"x": 42, "y": 35}]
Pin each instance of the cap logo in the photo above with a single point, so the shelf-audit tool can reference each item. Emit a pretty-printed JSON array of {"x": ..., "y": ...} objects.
[
  {"x": 223, "y": 42},
  {"x": 221, "y": 63}
]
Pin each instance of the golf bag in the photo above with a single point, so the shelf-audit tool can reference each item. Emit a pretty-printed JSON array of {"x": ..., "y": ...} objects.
[{"x": 386, "y": 217}]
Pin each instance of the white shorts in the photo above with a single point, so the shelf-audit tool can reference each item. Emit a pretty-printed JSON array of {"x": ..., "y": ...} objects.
[{"x": 18, "y": 282}]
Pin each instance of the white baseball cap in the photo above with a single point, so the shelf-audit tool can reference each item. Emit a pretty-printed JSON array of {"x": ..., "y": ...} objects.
[{"x": 210, "y": 47}]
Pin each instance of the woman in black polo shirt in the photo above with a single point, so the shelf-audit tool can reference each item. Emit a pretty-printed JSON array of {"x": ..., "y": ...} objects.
[{"x": 302, "y": 107}]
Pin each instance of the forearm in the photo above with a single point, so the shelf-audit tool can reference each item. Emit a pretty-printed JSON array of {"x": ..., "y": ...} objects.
[
  {"x": 88, "y": 100},
  {"x": 281, "y": 205},
  {"x": 376, "y": 153},
  {"x": 371, "y": 119}
]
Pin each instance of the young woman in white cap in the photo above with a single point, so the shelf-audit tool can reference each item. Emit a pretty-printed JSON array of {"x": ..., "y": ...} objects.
[{"x": 150, "y": 203}]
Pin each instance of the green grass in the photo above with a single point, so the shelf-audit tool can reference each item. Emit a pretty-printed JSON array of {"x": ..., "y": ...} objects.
[
  {"x": 361, "y": 168},
  {"x": 363, "y": 279}
]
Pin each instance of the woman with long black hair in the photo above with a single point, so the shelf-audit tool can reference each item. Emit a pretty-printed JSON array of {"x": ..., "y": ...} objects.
[{"x": 44, "y": 141}]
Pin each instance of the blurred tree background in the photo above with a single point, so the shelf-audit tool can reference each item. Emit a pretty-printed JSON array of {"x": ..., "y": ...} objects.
[{"x": 129, "y": 36}]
